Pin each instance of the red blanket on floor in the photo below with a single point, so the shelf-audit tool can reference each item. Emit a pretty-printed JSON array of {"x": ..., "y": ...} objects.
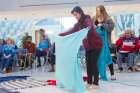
[{"x": 53, "y": 82}]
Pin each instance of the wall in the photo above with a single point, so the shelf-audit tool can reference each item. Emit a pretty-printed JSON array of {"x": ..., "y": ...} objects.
[{"x": 65, "y": 12}]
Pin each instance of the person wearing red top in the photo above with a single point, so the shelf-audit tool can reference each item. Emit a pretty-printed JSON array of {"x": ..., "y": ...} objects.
[
  {"x": 92, "y": 44},
  {"x": 126, "y": 45},
  {"x": 31, "y": 47}
]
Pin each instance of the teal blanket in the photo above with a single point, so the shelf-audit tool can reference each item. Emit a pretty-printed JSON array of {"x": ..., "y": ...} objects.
[
  {"x": 105, "y": 57},
  {"x": 68, "y": 71}
]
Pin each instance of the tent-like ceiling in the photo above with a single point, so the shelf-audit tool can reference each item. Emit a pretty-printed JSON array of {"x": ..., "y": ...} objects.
[{"x": 12, "y": 5}]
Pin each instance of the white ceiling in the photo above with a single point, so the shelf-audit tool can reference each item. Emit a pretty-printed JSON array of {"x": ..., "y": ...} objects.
[{"x": 12, "y": 5}]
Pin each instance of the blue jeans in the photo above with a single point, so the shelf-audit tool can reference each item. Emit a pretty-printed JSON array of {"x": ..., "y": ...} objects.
[
  {"x": 130, "y": 60},
  {"x": 7, "y": 62}
]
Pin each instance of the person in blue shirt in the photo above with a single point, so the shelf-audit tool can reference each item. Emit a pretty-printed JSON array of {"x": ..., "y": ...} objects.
[
  {"x": 42, "y": 50},
  {"x": 9, "y": 51},
  {"x": 1, "y": 50}
]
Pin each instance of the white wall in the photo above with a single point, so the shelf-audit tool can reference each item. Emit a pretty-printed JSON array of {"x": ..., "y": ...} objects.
[{"x": 66, "y": 12}]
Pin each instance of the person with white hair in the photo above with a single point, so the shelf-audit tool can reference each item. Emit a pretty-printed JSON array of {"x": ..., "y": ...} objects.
[{"x": 126, "y": 46}]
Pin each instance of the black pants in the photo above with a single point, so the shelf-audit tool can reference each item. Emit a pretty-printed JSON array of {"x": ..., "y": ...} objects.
[
  {"x": 39, "y": 54},
  {"x": 39, "y": 60},
  {"x": 111, "y": 68},
  {"x": 51, "y": 59},
  {"x": 92, "y": 69}
]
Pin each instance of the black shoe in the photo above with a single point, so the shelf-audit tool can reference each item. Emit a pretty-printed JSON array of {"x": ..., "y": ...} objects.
[
  {"x": 22, "y": 68},
  {"x": 38, "y": 65},
  {"x": 130, "y": 69},
  {"x": 120, "y": 69}
]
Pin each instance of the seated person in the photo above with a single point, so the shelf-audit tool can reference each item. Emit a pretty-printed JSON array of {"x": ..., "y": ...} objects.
[
  {"x": 126, "y": 45},
  {"x": 1, "y": 51},
  {"x": 1, "y": 47},
  {"x": 137, "y": 58},
  {"x": 31, "y": 47},
  {"x": 42, "y": 50},
  {"x": 24, "y": 38},
  {"x": 8, "y": 56},
  {"x": 52, "y": 57}
]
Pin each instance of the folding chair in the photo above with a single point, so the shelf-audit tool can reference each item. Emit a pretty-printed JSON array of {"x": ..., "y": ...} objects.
[
  {"x": 81, "y": 57},
  {"x": 22, "y": 56}
]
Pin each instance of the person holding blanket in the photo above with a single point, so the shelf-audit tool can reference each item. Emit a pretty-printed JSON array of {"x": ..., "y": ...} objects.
[
  {"x": 104, "y": 28},
  {"x": 92, "y": 44}
]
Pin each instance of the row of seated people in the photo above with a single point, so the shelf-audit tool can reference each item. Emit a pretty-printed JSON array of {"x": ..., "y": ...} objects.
[
  {"x": 128, "y": 46},
  {"x": 9, "y": 53},
  {"x": 44, "y": 49}
]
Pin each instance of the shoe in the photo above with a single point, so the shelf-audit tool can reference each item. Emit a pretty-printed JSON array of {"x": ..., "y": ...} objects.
[
  {"x": 52, "y": 70},
  {"x": 95, "y": 86},
  {"x": 137, "y": 69},
  {"x": 38, "y": 66},
  {"x": 89, "y": 86},
  {"x": 130, "y": 69},
  {"x": 113, "y": 77},
  {"x": 121, "y": 69},
  {"x": 21, "y": 68},
  {"x": 4, "y": 71}
]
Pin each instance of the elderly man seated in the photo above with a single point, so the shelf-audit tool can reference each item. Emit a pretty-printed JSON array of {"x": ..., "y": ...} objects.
[
  {"x": 126, "y": 46},
  {"x": 31, "y": 47}
]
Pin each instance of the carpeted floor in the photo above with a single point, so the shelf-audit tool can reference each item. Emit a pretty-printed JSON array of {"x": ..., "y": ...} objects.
[
  {"x": 20, "y": 82},
  {"x": 6, "y": 91}
]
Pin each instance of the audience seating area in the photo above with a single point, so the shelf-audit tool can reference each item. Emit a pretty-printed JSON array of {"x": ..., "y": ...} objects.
[{"x": 14, "y": 28}]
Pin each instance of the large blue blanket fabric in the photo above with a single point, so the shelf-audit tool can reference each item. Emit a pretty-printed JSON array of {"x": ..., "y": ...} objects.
[{"x": 68, "y": 71}]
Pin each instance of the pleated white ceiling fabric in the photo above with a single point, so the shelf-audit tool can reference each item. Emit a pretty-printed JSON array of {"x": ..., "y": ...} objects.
[{"x": 10, "y": 5}]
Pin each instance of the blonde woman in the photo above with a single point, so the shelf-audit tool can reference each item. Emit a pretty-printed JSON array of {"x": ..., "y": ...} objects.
[{"x": 104, "y": 27}]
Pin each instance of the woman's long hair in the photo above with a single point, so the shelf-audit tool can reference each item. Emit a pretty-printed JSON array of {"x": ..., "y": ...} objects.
[
  {"x": 103, "y": 12},
  {"x": 79, "y": 10}
]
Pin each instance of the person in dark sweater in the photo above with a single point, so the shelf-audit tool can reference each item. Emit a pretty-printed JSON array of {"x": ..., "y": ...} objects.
[
  {"x": 92, "y": 44},
  {"x": 103, "y": 20},
  {"x": 31, "y": 47}
]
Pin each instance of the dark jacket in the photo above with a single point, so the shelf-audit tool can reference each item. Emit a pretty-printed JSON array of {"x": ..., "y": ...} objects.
[{"x": 93, "y": 41}]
